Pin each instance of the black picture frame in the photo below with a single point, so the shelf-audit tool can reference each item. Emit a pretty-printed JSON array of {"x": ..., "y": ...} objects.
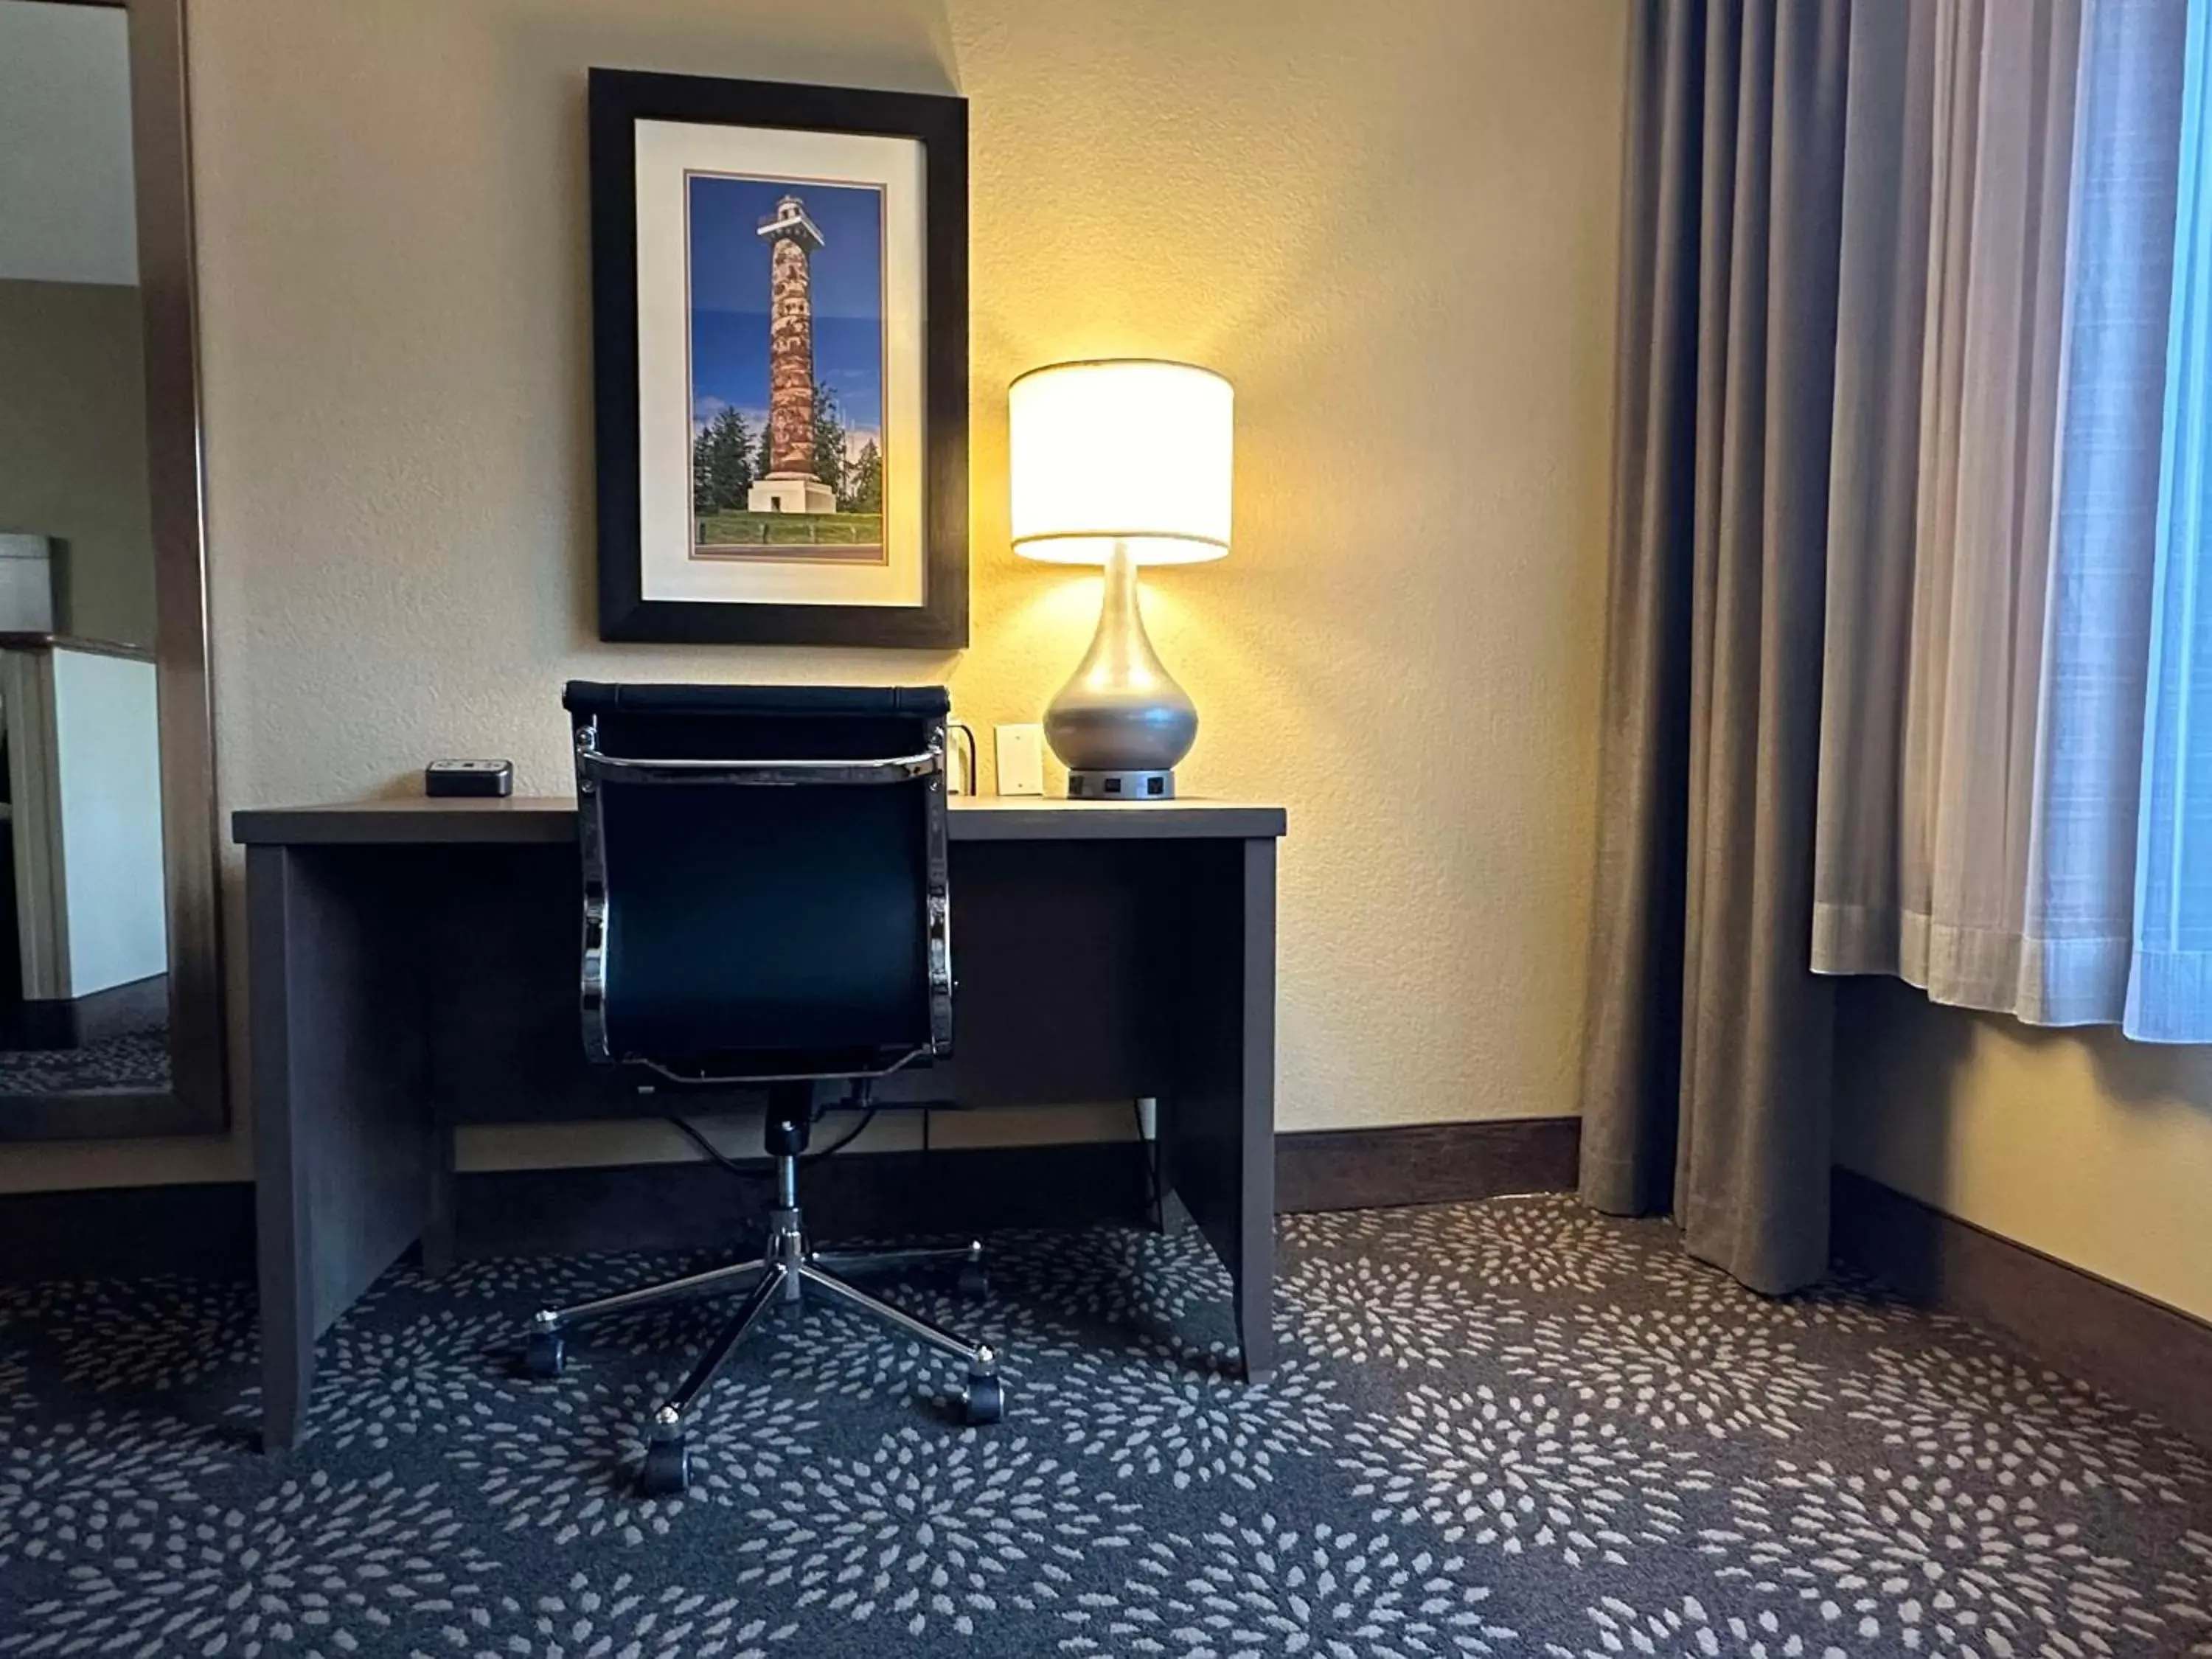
[{"x": 618, "y": 100}]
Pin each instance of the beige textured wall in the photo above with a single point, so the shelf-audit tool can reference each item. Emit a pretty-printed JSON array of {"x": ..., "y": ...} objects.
[
  {"x": 2079, "y": 1144},
  {"x": 1392, "y": 228},
  {"x": 73, "y": 446}
]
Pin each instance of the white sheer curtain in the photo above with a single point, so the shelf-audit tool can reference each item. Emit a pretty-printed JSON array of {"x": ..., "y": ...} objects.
[
  {"x": 2011, "y": 185},
  {"x": 2170, "y": 988}
]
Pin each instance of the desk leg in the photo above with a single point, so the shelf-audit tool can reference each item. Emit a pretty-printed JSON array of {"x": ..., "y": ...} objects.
[
  {"x": 438, "y": 1231},
  {"x": 287, "y": 1333},
  {"x": 1217, "y": 1130},
  {"x": 343, "y": 1143}
]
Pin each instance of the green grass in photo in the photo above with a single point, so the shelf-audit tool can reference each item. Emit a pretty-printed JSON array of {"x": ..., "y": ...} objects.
[{"x": 791, "y": 530}]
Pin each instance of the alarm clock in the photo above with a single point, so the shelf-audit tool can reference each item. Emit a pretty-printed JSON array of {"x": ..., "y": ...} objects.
[{"x": 469, "y": 777}]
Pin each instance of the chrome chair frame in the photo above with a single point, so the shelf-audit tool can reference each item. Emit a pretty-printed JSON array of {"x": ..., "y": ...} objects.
[
  {"x": 788, "y": 1270},
  {"x": 595, "y": 769}
]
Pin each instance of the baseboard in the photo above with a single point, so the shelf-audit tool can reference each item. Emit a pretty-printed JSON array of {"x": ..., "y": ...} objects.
[
  {"x": 208, "y": 1229},
  {"x": 1425, "y": 1162},
  {"x": 2143, "y": 1351}
]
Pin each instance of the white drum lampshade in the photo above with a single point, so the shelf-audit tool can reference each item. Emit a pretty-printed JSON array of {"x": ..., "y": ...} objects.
[
  {"x": 1129, "y": 450},
  {"x": 1120, "y": 462}
]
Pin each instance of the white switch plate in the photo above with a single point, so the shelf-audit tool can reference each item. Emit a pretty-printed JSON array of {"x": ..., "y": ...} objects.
[{"x": 1021, "y": 759}]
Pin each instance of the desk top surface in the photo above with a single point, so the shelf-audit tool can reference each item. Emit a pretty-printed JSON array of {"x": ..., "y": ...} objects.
[{"x": 416, "y": 820}]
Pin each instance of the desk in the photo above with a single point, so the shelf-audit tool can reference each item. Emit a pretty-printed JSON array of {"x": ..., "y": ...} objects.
[{"x": 413, "y": 965}]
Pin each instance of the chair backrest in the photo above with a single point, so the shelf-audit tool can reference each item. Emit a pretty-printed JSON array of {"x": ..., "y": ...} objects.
[{"x": 765, "y": 890}]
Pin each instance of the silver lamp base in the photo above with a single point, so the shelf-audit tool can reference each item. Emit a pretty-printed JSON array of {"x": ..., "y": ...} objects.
[
  {"x": 1121, "y": 723},
  {"x": 1120, "y": 786}
]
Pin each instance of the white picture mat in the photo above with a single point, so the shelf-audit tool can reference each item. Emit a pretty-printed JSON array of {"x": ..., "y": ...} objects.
[{"x": 666, "y": 152}]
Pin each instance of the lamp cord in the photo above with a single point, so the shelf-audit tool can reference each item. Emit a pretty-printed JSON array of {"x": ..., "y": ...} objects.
[
  {"x": 714, "y": 1153},
  {"x": 968, "y": 771},
  {"x": 842, "y": 1141}
]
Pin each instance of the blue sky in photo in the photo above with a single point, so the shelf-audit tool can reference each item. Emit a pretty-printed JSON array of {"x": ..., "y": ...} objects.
[{"x": 729, "y": 297}]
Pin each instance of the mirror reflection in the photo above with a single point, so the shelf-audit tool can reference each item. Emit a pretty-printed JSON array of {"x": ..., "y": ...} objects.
[{"x": 83, "y": 932}]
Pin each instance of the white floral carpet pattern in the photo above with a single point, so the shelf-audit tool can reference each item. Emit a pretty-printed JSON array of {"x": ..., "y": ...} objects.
[{"x": 1507, "y": 1429}]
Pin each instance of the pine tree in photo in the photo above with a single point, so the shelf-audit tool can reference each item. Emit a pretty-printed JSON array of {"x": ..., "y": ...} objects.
[
  {"x": 829, "y": 463},
  {"x": 866, "y": 480},
  {"x": 721, "y": 464}
]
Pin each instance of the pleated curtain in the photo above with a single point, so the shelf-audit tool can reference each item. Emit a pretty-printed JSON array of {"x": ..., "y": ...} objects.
[
  {"x": 2010, "y": 208},
  {"x": 1706, "y": 1077},
  {"x": 1909, "y": 647}
]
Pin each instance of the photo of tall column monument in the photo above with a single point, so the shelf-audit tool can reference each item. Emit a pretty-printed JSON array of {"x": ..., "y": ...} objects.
[{"x": 786, "y": 357}]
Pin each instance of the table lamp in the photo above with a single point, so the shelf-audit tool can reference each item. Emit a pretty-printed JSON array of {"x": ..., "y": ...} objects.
[{"x": 1120, "y": 462}]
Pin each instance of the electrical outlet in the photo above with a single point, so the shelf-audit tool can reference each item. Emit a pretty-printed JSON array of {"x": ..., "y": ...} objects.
[{"x": 1021, "y": 759}]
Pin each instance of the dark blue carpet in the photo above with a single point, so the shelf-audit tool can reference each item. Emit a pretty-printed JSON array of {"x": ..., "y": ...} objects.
[{"x": 1510, "y": 1428}]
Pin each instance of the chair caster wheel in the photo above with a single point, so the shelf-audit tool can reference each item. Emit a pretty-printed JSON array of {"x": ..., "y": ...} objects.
[
  {"x": 983, "y": 1401},
  {"x": 975, "y": 1281},
  {"x": 544, "y": 1355},
  {"x": 666, "y": 1470}
]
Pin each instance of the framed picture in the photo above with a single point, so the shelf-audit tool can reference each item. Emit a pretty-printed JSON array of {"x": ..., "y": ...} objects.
[{"x": 780, "y": 312}]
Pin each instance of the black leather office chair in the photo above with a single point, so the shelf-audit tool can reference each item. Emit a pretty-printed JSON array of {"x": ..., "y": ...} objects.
[{"x": 765, "y": 903}]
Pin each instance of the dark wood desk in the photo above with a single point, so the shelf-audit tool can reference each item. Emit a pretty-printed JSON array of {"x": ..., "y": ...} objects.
[{"x": 413, "y": 965}]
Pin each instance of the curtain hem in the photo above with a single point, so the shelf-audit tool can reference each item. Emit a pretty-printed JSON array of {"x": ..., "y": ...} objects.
[
  {"x": 2170, "y": 997},
  {"x": 2038, "y": 981}
]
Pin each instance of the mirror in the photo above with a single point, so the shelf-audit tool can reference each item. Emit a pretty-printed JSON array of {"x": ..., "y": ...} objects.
[{"x": 109, "y": 1017}]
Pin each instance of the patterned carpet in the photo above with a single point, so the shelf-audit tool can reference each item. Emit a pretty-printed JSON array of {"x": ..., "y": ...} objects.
[
  {"x": 1510, "y": 1429},
  {"x": 131, "y": 1059}
]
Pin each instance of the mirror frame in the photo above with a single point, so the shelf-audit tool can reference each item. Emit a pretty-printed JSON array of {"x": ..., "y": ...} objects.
[{"x": 197, "y": 1101}]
